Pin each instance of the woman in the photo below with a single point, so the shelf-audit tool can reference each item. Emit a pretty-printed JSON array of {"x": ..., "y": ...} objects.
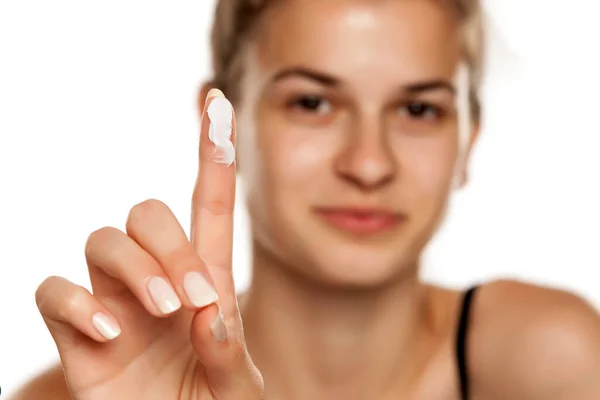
[{"x": 355, "y": 120}]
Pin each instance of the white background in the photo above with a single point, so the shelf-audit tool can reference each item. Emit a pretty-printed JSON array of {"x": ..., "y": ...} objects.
[{"x": 97, "y": 113}]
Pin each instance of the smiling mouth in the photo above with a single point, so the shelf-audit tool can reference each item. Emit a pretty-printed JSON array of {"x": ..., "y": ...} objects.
[{"x": 360, "y": 221}]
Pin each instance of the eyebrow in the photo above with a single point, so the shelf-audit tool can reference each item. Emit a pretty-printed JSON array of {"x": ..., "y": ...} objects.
[
  {"x": 331, "y": 81},
  {"x": 307, "y": 73},
  {"x": 428, "y": 86}
]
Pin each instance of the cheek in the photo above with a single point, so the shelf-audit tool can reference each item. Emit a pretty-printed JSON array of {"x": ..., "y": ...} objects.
[
  {"x": 297, "y": 160},
  {"x": 429, "y": 167},
  {"x": 293, "y": 167}
]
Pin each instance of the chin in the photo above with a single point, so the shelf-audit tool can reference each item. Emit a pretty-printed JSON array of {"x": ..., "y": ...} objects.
[
  {"x": 359, "y": 267},
  {"x": 337, "y": 259}
]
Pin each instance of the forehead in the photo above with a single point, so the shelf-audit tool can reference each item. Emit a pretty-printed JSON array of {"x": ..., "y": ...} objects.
[{"x": 351, "y": 38}]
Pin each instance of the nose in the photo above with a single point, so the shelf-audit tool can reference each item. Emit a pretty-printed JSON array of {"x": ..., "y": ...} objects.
[{"x": 367, "y": 160}]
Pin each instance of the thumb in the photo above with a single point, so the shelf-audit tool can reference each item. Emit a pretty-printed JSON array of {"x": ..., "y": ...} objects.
[{"x": 221, "y": 349}]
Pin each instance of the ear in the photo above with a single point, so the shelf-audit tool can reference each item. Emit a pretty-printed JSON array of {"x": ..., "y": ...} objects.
[
  {"x": 463, "y": 175},
  {"x": 202, "y": 93}
]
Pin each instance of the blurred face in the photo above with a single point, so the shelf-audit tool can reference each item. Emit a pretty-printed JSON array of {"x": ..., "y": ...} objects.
[{"x": 347, "y": 132}]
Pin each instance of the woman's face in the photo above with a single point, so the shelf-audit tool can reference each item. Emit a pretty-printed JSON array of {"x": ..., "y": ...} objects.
[{"x": 347, "y": 133}]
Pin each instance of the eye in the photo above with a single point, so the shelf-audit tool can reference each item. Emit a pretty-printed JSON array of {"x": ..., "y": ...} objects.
[
  {"x": 312, "y": 104},
  {"x": 421, "y": 110}
]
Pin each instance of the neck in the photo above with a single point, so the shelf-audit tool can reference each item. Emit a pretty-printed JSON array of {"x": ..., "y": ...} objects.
[{"x": 318, "y": 342}]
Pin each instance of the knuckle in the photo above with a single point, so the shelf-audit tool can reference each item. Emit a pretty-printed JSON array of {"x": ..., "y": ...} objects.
[
  {"x": 44, "y": 290},
  {"x": 97, "y": 239},
  {"x": 219, "y": 207},
  {"x": 146, "y": 208},
  {"x": 143, "y": 211},
  {"x": 74, "y": 300},
  {"x": 58, "y": 299}
]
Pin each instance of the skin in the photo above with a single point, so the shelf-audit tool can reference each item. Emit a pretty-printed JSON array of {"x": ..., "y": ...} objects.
[{"x": 363, "y": 324}]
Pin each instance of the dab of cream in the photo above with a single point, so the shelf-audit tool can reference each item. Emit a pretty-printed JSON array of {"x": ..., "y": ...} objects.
[{"x": 220, "y": 114}]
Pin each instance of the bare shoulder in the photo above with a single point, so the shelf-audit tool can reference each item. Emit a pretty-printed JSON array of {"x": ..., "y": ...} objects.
[
  {"x": 534, "y": 342},
  {"x": 49, "y": 385}
]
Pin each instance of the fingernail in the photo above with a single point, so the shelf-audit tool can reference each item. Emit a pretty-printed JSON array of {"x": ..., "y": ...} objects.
[
  {"x": 213, "y": 93},
  {"x": 218, "y": 328},
  {"x": 163, "y": 295},
  {"x": 220, "y": 114},
  {"x": 198, "y": 290},
  {"x": 107, "y": 326}
]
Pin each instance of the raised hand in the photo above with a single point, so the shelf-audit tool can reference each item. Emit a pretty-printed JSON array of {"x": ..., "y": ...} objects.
[{"x": 163, "y": 320}]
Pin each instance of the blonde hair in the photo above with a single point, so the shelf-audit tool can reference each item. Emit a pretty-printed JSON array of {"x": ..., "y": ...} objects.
[{"x": 235, "y": 21}]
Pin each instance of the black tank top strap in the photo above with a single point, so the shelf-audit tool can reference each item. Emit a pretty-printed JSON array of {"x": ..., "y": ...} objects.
[{"x": 461, "y": 342}]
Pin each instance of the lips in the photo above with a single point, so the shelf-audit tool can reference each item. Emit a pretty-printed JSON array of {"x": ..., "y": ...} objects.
[{"x": 360, "y": 221}]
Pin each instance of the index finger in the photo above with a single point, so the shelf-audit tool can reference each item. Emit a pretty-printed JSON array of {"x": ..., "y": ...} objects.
[{"x": 214, "y": 196}]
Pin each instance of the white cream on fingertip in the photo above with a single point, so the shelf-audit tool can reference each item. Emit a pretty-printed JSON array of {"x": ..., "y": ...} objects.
[
  {"x": 220, "y": 115},
  {"x": 214, "y": 92}
]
